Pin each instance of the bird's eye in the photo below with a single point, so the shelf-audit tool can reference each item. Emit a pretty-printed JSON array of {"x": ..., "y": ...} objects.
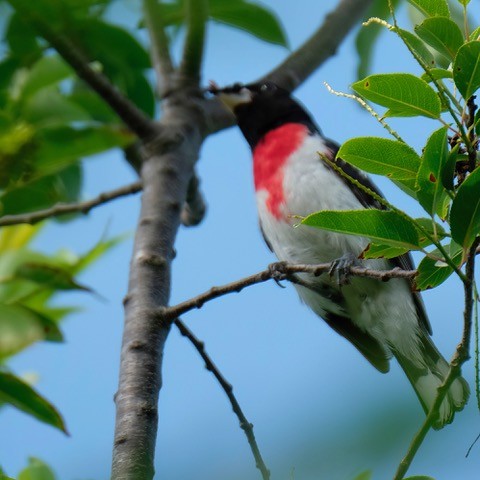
[{"x": 267, "y": 87}]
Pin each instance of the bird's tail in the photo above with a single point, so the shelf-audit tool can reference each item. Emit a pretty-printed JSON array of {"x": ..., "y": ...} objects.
[{"x": 426, "y": 380}]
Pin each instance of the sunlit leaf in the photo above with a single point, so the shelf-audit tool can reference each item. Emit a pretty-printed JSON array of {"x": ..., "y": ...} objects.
[
  {"x": 402, "y": 93},
  {"x": 465, "y": 211},
  {"x": 442, "y": 34},
  {"x": 381, "y": 226},
  {"x": 437, "y": 74},
  {"x": 431, "y": 8},
  {"x": 36, "y": 470},
  {"x": 466, "y": 69},
  {"x": 418, "y": 47},
  {"x": 375, "y": 250}
]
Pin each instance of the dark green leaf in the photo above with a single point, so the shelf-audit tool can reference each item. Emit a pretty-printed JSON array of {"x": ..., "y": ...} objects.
[
  {"x": 432, "y": 272},
  {"x": 367, "y": 36},
  {"x": 431, "y": 8},
  {"x": 420, "y": 477},
  {"x": 97, "y": 108},
  {"x": 418, "y": 47},
  {"x": 253, "y": 18},
  {"x": 431, "y": 193},
  {"x": 381, "y": 226},
  {"x": 36, "y": 470},
  {"x": 64, "y": 186},
  {"x": 22, "y": 40},
  {"x": 381, "y": 156},
  {"x": 465, "y": 211},
  {"x": 466, "y": 69},
  {"x": 403, "y": 94},
  {"x": 442, "y": 34},
  {"x": 448, "y": 170},
  {"x": 475, "y": 35},
  {"x": 437, "y": 74}
]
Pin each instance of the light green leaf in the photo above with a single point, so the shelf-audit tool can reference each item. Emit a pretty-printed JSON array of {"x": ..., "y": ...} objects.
[
  {"x": 442, "y": 34},
  {"x": 431, "y": 192},
  {"x": 464, "y": 2},
  {"x": 382, "y": 156},
  {"x": 49, "y": 70},
  {"x": 475, "y": 35},
  {"x": 466, "y": 69},
  {"x": 465, "y": 211},
  {"x": 432, "y": 272},
  {"x": 367, "y": 475},
  {"x": 381, "y": 226},
  {"x": 431, "y": 8},
  {"x": 21, "y": 326},
  {"x": 36, "y": 470},
  {"x": 402, "y": 93},
  {"x": 22, "y": 396},
  {"x": 376, "y": 250},
  {"x": 437, "y": 74}
]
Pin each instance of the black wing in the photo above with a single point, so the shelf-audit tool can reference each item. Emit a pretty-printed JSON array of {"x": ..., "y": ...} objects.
[{"x": 404, "y": 261}]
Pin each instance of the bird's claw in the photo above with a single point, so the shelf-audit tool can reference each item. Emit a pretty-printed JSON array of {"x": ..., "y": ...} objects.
[
  {"x": 341, "y": 268},
  {"x": 278, "y": 272}
]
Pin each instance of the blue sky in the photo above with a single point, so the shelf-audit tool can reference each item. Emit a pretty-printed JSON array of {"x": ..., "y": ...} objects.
[{"x": 319, "y": 409}]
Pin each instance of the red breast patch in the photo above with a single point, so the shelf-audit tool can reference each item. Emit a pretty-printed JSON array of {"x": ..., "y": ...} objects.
[{"x": 269, "y": 158}]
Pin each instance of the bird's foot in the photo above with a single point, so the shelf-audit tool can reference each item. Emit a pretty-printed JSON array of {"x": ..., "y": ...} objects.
[
  {"x": 278, "y": 272},
  {"x": 341, "y": 268}
]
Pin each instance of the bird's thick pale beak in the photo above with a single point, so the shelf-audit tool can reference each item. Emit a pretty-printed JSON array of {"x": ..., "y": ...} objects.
[{"x": 233, "y": 99}]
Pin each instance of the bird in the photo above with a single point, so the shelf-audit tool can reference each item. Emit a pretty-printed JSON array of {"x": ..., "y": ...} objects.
[{"x": 291, "y": 178}]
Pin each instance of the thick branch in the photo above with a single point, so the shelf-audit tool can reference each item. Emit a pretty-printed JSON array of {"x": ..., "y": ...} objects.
[
  {"x": 132, "y": 116},
  {"x": 302, "y": 62},
  {"x": 245, "y": 425},
  {"x": 166, "y": 171},
  {"x": 64, "y": 208},
  {"x": 276, "y": 271},
  {"x": 159, "y": 46},
  {"x": 197, "y": 11},
  {"x": 459, "y": 358}
]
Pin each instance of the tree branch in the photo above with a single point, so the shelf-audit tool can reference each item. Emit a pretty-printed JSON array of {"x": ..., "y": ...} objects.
[
  {"x": 197, "y": 12},
  {"x": 460, "y": 356},
  {"x": 132, "y": 116},
  {"x": 65, "y": 208},
  {"x": 245, "y": 425},
  {"x": 159, "y": 45},
  {"x": 302, "y": 62},
  {"x": 276, "y": 271}
]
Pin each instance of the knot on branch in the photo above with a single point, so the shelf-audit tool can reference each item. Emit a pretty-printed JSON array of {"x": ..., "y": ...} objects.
[{"x": 278, "y": 271}]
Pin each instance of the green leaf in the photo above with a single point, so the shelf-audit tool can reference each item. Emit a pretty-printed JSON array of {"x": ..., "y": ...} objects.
[
  {"x": 382, "y": 156},
  {"x": 402, "y": 93},
  {"x": 48, "y": 71},
  {"x": 63, "y": 186},
  {"x": 431, "y": 192},
  {"x": 442, "y": 34},
  {"x": 36, "y": 470},
  {"x": 475, "y": 35},
  {"x": 376, "y": 250},
  {"x": 22, "y": 40},
  {"x": 465, "y": 211},
  {"x": 415, "y": 44},
  {"x": 437, "y": 74},
  {"x": 432, "y": 273},
  {"x": 250, "y": 17},
  {"x": 22, "y": 396},
  {"x": 21, "y": 326},
  {"x": 381, "y": 226},
  {"x": 367, "y": 475},
  {"x": 420, "y": 477},
  {"x": 431, "y": 8},
  {"x": 466, "y": 69},
  {"x": 464, "y": 2},
  {"x": 448, "y": 170}
]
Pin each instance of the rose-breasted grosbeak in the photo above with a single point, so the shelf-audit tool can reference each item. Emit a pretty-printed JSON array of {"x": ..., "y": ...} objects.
[{"x": 381, "y": 319}]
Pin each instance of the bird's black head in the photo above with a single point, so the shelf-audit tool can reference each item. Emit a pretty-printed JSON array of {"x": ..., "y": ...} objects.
[{"x": 261, "y": 107}]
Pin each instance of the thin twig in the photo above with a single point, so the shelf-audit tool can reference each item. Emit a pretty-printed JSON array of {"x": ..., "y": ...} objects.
[
  {"x": 460, "y": 356},
  {"x": 64, "y": 208},
  {"x": 159, "y": 46},
  {"x": 197, "y": 12},
  {"x": 131, "y": 115},
  {"x": 245, "y": 425},
  {"x": 277, "y": 271}
]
